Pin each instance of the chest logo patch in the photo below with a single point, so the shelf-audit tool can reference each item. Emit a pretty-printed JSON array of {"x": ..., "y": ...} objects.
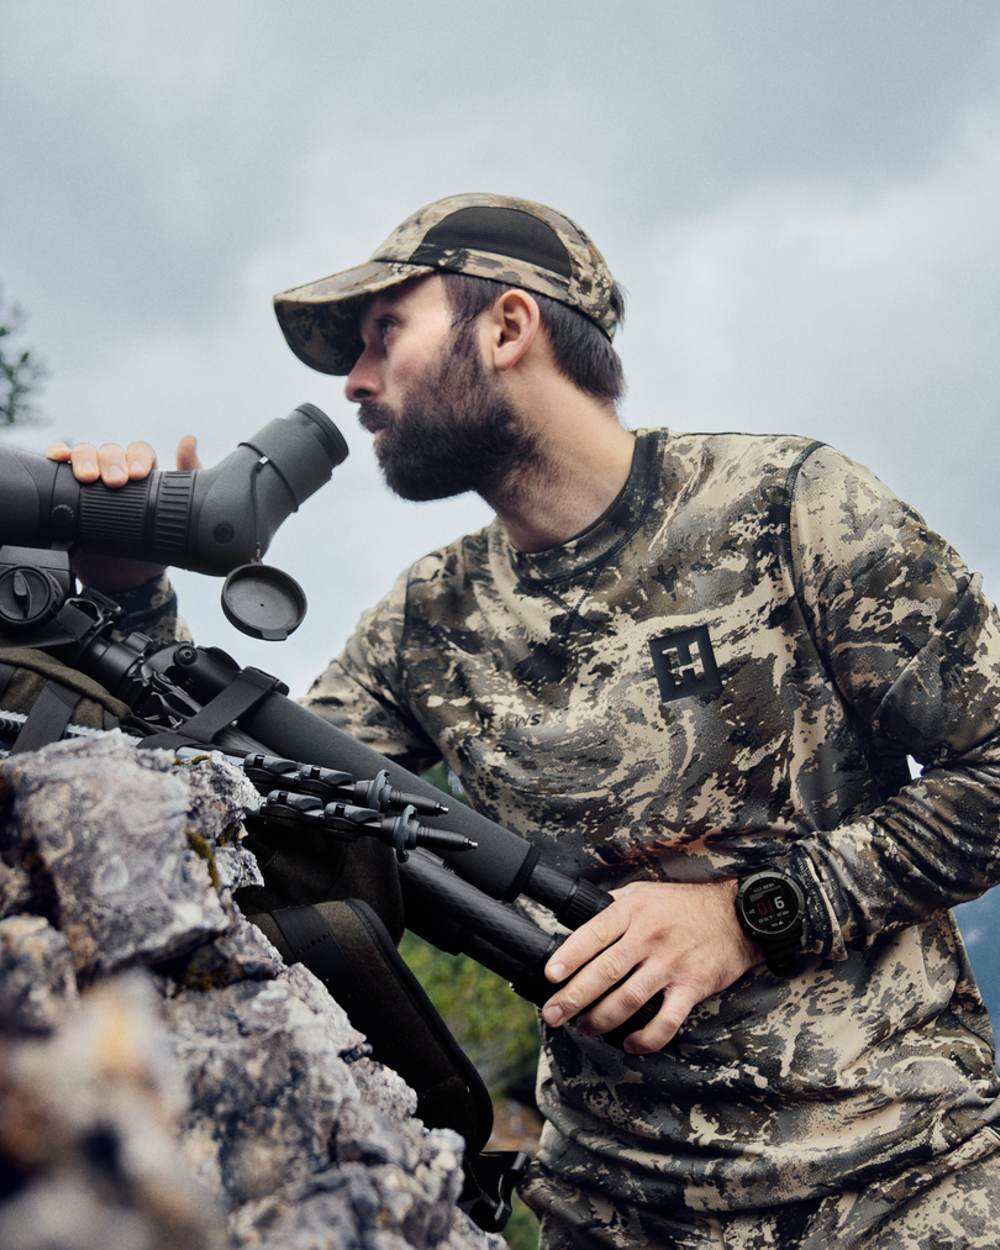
[{"x": 685, "y": 664}]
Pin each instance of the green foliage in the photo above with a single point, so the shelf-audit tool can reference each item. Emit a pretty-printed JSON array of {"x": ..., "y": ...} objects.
[
  {"x": 441, "y": 776},
  {"x": 498, "y": 1030},
  {"x": 21, "y": 372},
  {"x": 521, "y": 1232}
]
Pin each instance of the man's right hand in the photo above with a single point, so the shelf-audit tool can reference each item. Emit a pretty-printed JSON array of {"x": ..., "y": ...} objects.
[{"x": 115, "y": 466}]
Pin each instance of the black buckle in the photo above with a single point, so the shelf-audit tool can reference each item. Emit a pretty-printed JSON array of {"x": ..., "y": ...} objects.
[{"x": 490, "y": 1181}]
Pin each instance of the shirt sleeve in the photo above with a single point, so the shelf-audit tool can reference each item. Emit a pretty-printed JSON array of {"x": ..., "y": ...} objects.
[
  {"x": 913, "y": 648},
  {"x": 152, "y": 609},
  {"x": 363, "y": 691}
]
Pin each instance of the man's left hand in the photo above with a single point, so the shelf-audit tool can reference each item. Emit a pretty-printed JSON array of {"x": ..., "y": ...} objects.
[{"x": 682, "y": 939}]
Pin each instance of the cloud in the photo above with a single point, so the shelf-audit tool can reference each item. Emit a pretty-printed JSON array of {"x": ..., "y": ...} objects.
[
  {"x": 799, "y": 198},
  {"x": 869, "y": 321}
]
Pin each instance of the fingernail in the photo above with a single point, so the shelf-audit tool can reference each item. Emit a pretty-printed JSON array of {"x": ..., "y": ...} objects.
[
  {"x": 553, "y": 1014},
  {"x": 555, "y": 972},
  {"x": 115, "y": 476}
]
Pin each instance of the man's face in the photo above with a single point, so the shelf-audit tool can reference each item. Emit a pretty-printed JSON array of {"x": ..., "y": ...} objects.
[{"x": 441, "y": 422}]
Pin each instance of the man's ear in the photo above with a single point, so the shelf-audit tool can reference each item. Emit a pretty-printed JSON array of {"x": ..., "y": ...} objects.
[{"x": 514, "y": 326}]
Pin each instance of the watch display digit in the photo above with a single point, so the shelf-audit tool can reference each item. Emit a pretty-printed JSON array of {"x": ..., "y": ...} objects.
[{"x": 771, "y": 904}]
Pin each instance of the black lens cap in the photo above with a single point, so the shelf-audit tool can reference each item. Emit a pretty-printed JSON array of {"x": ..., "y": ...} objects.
[{"x": 263, "y": 602}]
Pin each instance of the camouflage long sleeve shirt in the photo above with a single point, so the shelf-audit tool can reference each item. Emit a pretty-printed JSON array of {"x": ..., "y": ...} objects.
[{"x": 728, "y": 670}]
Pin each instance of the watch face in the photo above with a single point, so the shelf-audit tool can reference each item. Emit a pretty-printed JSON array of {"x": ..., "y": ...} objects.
[{"x": 771, "y": 904}]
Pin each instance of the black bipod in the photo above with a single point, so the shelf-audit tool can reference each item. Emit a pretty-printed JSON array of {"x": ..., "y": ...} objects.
[
  {"x": 336, "y": 801},
  {"x": 303, "y": 802},
  {"x": 402, "y": 832},
  {"x": 321, "y": 798},
  {"x": 330, "y": 782}
]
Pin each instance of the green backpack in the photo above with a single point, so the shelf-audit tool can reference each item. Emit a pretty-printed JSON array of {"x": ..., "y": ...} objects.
[{"x": 50, "y": 696}]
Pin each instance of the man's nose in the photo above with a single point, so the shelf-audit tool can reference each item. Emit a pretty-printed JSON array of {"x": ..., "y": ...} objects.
[{"x": 362, "y": 382}]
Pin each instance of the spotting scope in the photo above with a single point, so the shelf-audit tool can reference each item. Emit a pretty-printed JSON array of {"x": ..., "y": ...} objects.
[{"x": 209, "y": 520}]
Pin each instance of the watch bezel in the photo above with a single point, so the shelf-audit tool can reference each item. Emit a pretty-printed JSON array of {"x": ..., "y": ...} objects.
[{"x": 769, "y": 936}]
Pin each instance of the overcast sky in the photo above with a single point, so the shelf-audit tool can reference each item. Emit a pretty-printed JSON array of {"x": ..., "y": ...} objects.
[{"x": 801, "y": 199}]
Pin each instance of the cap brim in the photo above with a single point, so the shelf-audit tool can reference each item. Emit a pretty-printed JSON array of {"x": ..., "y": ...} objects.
[{"x": 320, "y": 320}]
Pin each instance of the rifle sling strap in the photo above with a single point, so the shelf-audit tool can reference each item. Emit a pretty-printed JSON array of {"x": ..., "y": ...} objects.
[
  {"x": 245, "y": 691},
  {"x": 51, "y": 712}
]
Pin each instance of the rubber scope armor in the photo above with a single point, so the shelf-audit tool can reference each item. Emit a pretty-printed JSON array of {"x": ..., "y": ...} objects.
[{"x": 209, "y": 520}]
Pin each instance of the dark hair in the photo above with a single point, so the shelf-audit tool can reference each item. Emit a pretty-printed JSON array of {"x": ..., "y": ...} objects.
[{"x": 582, "y": 351}]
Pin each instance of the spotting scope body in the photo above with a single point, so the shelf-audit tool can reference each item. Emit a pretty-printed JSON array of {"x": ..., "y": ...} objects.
[{"x": 209, "y": 520}]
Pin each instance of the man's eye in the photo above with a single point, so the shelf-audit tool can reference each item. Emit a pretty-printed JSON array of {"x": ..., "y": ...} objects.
[{"x": 384, "y": 325}]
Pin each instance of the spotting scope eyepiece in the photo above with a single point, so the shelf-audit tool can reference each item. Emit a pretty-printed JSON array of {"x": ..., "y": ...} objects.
[{"x": 209, "y": 520}]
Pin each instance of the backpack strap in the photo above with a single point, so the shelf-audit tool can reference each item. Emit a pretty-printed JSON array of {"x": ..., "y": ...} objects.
[
  {"x": 347, "y": 946},
  {"x": 43, "y": 664},
  {"x": 50, "y": 694},
  {"x": 50, "y": 713}
]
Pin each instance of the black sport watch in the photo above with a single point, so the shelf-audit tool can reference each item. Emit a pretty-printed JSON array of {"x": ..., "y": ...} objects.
[{"x": 770, "y": 907}]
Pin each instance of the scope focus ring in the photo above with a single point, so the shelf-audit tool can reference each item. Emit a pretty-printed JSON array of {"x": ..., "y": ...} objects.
[
  {"x": 172, "y": 514},
  {"x": 114, "y": 519}
]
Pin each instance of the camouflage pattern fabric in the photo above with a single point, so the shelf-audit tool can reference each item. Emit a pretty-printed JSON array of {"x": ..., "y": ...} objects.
[
  {"x": 727, "y": 671},
  {"x": 151, "y": 608},
  {"x": 952, "y": 1205},
  {"x": 320, "y": 320}
]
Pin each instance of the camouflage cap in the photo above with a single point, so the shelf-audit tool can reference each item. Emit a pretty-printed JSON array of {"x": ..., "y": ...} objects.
[{"x": 512, "y": 241}]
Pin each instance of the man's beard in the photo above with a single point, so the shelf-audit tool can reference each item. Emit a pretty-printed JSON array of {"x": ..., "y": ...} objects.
[{"x": 455, "y": 431}]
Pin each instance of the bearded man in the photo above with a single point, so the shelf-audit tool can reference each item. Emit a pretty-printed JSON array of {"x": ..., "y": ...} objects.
[{"x": 690, "y": 667}]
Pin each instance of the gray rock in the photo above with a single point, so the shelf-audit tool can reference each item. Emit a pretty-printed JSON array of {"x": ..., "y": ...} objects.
[
  {"x": 236, "y": 868},
  {"x": 129, "y": 873},
  {"x": 384, "y": 1090},
  {"x": 37, "y": 985},
  {"x": 218, "y": 797},
  {"x": 264, "y": 1131},
  {"x": 15, "y": 890},
  {"x": 353, "y": 1207},
  {"x": 88, "y": 1128},
  {"x": 243, "y": 953},
  {"x": 265, "y": 1080},
  {"x": 221, "y": 1086}
]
